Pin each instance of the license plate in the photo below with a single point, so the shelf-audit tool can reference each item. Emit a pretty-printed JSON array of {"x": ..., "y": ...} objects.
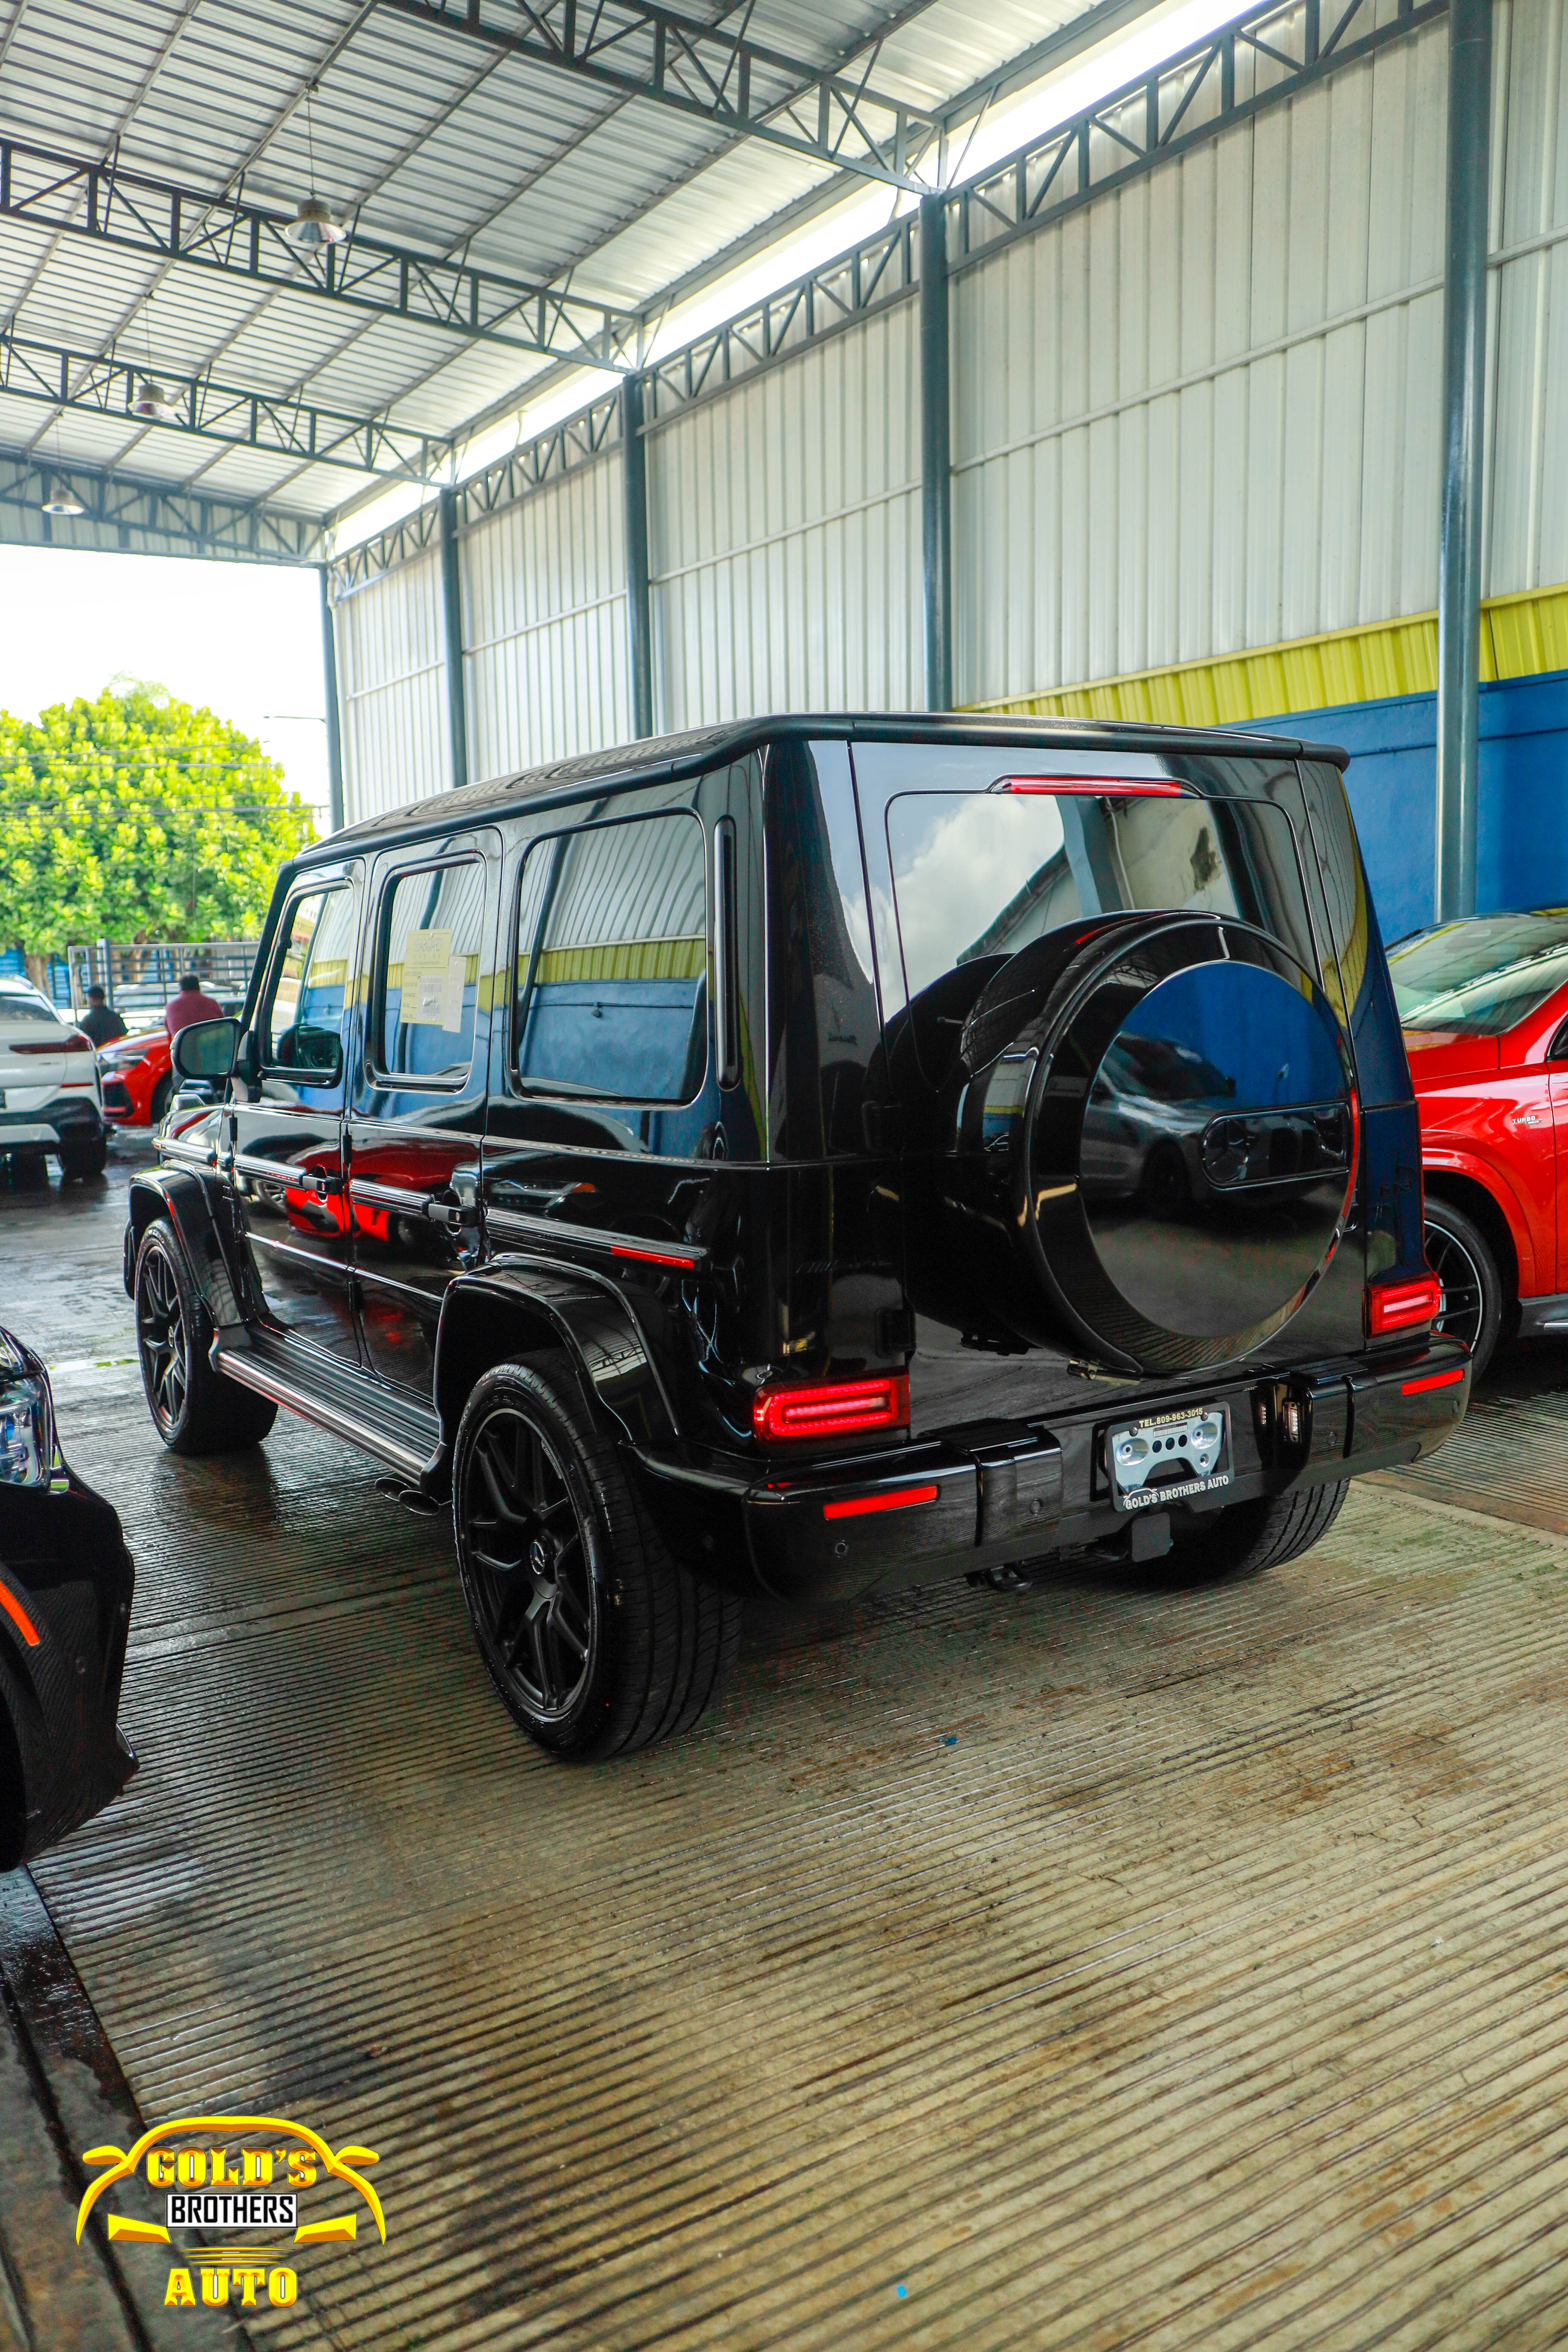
[{"x": 1168, "y": 1458}]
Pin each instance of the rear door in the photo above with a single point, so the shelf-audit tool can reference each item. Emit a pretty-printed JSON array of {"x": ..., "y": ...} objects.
[{"x": 417, "y": 1118}]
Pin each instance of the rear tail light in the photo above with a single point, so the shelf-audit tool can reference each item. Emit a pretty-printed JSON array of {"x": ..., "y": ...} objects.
[
  {"x": 72, "y": 1042},
  {"x": 1402, "y": 1306},
  {"x": 841, "y": 1409}
]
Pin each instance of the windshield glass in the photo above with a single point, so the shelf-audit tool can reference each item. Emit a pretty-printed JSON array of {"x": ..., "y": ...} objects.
[{"x": 1481, "y": 976}]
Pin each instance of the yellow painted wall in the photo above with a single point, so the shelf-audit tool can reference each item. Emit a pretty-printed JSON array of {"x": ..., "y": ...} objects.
[{"x": 1520, "y": 637}]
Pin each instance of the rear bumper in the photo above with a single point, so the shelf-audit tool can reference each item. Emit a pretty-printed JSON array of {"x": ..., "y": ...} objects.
[
  {"x": 1004, "y": 1491},
  {"x": 73, "y": 1118}
]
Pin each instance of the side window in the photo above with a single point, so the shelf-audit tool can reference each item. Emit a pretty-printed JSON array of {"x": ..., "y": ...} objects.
[
  {"x": 612, "y": 960},
  {"x": 432, "y": 922},
  {"x": 301, "y": 1023}
]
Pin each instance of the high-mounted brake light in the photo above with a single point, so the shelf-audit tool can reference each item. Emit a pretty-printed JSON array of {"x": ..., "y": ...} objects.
[
  {"x": 1164, "y": 786},
  {"x": 900, "y": 1499},
  {"x": 841, "y": 1409},
  {"x": 1401, "y": 1306}
]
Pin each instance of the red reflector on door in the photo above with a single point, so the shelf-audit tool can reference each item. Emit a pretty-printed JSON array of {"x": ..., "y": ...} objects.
[
  {"x": 655, "y": 1257},
  {"x": 899, "y": 1501},
  {"x": 1433, "y": 1381}
]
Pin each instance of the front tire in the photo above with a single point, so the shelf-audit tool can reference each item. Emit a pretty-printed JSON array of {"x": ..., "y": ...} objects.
[
  {"x": 597, "y": 1641},
  {"x": 1461, "y": 1257},
  {"x": 195, "y": 1410}
]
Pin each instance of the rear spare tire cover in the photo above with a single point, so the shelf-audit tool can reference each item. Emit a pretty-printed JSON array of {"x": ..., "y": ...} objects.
[{"x": 1181, "y": 1121}]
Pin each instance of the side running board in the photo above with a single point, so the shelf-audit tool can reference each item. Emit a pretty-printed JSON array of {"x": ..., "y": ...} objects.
[{"x": 333, "y": 1396}]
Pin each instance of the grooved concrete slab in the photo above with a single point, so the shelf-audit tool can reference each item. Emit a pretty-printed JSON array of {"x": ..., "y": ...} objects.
[{"x": 1110, "y": 1964}]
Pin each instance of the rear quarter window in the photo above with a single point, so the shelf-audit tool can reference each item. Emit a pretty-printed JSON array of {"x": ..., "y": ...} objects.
[{"x": 610, "y": 975}]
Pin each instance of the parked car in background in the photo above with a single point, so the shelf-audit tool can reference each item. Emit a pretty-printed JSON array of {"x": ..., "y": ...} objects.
[
  {"x": 51, "y": 1100},
  {"x": 139, "y": 1080},
  {"x": 65, "y": 1580},
  {"x": 1483, "y": 1003},
  {"x": 718, "y": 1167}
]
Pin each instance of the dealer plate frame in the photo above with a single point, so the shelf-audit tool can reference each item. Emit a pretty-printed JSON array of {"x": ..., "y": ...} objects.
[{"x": 1129, "y": 1500}]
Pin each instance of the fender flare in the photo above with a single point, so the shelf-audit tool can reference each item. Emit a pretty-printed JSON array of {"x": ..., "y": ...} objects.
[
  {"x": 1500, "y": 1192},
  {"x": 191, "y": 1203},
  {"x": 485, "y": 1318}
]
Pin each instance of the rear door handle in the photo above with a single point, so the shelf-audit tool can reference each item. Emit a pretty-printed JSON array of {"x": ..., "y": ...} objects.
[{"x": 452, "y": 1216}]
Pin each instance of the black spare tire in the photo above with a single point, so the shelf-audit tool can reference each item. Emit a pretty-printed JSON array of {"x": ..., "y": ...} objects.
[{"x": 1165, "y": 1109}]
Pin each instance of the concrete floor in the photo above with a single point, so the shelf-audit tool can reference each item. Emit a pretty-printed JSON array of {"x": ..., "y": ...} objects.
[{"x": 1113, "y": 1963}]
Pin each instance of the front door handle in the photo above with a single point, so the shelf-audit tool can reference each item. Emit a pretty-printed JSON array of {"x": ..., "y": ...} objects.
[{"x": 280, "y": 1172}]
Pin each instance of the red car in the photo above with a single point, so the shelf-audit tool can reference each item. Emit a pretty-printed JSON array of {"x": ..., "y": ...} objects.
[
  {"x": 1483, "y": 1003},
  {"x": 139, "y": 1081},
  {"x": 138, "y": 1077}
]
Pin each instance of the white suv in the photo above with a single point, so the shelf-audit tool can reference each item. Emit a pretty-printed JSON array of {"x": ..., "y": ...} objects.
[{"x": 51, "y": 1098}]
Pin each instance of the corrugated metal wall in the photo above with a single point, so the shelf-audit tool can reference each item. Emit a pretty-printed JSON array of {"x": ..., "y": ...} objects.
[
  {"x": 1196, "y": 416},
  {"x": 1528, "y": 534},
  {"x": 1201, "y": 414},
  {"x": 544, "y": 623},
  {"x": 392, "y": 689},
  {"x": 784, "y": 536}
]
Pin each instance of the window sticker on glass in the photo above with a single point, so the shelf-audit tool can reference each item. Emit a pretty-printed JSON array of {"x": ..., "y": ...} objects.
[{"x": 433, "y": 981}]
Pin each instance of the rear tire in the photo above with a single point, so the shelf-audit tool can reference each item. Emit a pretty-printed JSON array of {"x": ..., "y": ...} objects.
[
  {"x": 597, "y": 1639},
  {"x": 1244, "y": 1538},
  {"x": 1461, "y": 1257},
  {"x": 80, "y": 1159},
  {"x": 195, "y": 1410}
]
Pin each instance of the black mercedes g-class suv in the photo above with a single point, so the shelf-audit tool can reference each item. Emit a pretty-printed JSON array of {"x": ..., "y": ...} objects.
[{"x": 806, "y": 1155}]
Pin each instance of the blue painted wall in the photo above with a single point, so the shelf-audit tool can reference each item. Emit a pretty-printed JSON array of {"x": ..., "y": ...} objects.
[{"x": 1521, "y": 850}]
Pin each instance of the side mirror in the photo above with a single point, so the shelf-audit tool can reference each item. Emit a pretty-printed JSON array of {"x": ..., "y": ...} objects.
[
  {"x": 248, "y": 1058},
  {"x": 204, "y": 1049}
]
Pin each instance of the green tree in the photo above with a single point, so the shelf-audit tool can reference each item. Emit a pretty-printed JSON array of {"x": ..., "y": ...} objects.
[{"x": 137, "y": 817}]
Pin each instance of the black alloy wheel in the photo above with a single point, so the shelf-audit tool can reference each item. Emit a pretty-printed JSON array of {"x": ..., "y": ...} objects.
[
  {"x": 598, "y": 1641},
  {"x": 1457, "y": 1253},
  {"x": 161, "y": 1340},
  {"x": 194, "y": 1409},
  {"x": 533, "y": 1593}
]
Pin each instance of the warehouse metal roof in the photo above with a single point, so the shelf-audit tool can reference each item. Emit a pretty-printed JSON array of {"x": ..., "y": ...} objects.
[{"x": 528, "y": 184}]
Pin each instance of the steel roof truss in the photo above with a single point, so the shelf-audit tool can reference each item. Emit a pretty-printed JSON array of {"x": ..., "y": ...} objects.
[
  {"x": 831, "y": 113},
  {"x": 64, "y": 194},
  {"x": 245, "y": 419}
]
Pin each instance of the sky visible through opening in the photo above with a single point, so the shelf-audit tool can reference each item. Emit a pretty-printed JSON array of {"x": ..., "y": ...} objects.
[{"x": 244, "y": 638}]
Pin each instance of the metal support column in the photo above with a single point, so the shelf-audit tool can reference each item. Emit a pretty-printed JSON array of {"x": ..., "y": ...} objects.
[
  {"x": 936, "y": 456},
  {"x": 1464, "y": 408},
  {"x": 639, "y": 613},
  {"x": 452, "y": 638},
  {"x": 330, "y": 687}
]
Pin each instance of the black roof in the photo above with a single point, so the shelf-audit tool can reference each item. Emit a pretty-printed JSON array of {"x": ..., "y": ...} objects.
[{"x": 662, "y": 759}]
